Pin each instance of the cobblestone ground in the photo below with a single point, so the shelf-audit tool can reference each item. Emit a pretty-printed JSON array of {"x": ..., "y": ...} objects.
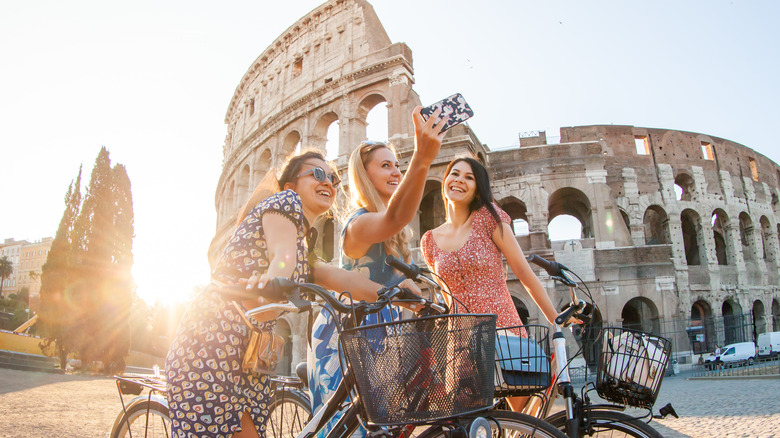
[
  {"x": 48, "y": 405},
  {"x": 736, "y": 407}
]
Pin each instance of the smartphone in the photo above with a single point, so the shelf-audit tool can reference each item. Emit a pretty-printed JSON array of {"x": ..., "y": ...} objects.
[{"x": 454, "y": 107}]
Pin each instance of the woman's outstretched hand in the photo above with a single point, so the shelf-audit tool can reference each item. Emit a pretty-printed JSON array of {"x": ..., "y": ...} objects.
[{"x": 428, "y": 134}]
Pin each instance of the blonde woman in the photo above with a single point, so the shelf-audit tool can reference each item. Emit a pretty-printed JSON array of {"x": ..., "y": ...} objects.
[{"x": 383, "y": 202}]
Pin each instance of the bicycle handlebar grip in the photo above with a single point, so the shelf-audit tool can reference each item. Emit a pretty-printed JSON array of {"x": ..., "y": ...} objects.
[
  {"x": 409, "y": 270},
  {"x": 553, "y": 268}
]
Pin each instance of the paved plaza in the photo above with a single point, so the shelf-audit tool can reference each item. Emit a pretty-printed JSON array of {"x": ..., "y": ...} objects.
[{"x": 50, "y": 405}]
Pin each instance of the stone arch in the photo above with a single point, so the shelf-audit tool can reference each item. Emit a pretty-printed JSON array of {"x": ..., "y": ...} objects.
[
  {"x": 720, "y": 234},
  {"x": 263, "y": 164},
  {"x": 243, "y": 189},
  {"x": 626, "y": 219},
  {"x": 432, "y": 209},
  {"x": 640, "y": 313},
  {"x": 319, "y": 136},
  {"x": 366, "y": 105},
  {"x": 291, "y": 141},
  {"x": 572, "y": 202},
  {"x": 775, "y": 315},
  {"x": 517, "y": 211},
  {"x": 702, "y": 330},
  {"x": 759, "y": 318},
  {"x": 768, "y": 240},
  {"x": 285, "y": 366},
  {"x": 692, "y": 237},
  {"x": 230, "y": 205},
  {"x": 746, "y": 237},
  {"x": 656, "y": 224},
  {"x": 522, "y": 309},
  {"x": 734, "y": 327},
  {"x": 686, "y": 187}
]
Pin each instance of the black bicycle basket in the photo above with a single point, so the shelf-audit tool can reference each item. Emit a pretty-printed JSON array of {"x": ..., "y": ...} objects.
[
  {"x": 632, "y": 365},
  {"x": 522, "y": 360},
  {"x": 424, "y": 369}
]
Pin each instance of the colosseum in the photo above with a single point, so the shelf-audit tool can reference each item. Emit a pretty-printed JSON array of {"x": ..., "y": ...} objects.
[{"x": 679, "y": 230}]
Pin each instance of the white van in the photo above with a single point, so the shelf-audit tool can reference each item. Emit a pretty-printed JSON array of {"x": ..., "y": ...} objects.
[
  {"x": 733, "y": 354},
  {"x": 768, "y": 344}
]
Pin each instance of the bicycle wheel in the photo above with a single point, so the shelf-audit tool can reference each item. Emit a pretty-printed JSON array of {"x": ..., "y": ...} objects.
[
  {"x": 503, "y": 424},
  {"x": 136, "y": 423},
  {"x": 288, "y": 413},
  {"x": 609, "y": 424}
]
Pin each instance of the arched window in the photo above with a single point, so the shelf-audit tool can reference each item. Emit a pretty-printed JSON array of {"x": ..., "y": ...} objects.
[
  {"x": 571, "y": 202},
  {"x": 432, "y": 210},
  {"x": 702, "y": 329},
  {"x": 759, "y": 318},
  {"x": 684, "y": 187},
  {"x": 746, "y": 237},
  {"x": 734, "y": 324},
  {"x": 641, "y": 313},
  {"x": 656, "y": 224},
  {"x": 691, "y": 229},
  {"x": 720, "y": 235}
]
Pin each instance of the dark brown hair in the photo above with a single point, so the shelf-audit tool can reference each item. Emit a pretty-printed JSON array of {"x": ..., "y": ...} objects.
[
  {"x": 483, "y": 195},
  {"x": 290, "y": 172}
]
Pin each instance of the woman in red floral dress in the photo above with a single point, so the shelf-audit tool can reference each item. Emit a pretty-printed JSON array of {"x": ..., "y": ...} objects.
[{"x": 466, "y": 251}]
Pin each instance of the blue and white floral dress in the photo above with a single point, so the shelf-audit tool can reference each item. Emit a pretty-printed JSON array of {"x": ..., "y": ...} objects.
[
  {"x": 323, "y": 361},
  {"x": 207, "y": 389}
]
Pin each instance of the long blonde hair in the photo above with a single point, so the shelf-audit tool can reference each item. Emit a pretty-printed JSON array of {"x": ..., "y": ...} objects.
[{"x": 363, "y": 194}]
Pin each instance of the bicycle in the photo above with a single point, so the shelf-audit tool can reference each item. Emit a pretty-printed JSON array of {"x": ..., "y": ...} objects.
[
  {"x": 631, "y": 368},
  {"x": 148, "y": 416},
  {"x": 436, "y": 404}
]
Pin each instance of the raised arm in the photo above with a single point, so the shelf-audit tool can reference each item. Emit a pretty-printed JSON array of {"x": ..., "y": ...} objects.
[
  {"x": 508, "y": 245},
  {"x": 371, "y": 228}
]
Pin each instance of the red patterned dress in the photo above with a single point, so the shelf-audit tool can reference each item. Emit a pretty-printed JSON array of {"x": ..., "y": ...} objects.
[{"x": 475, "y": 272}]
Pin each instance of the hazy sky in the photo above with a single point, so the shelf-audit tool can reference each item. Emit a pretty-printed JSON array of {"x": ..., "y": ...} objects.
[{"x": 152, "y": 80}]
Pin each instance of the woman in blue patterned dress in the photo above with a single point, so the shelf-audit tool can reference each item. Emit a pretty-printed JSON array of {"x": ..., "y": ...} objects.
[
  {"x": 384, "y": 202},
  {"x": 208, "y": 392}
]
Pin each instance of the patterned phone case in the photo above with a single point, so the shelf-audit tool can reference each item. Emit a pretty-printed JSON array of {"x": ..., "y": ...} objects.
[{"x": 454, "y": 107}]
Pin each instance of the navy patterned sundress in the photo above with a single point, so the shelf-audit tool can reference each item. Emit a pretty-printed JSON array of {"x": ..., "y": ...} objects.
[
  {"x": 207, "y": 389},
  {"x": 323, "y": 362}
]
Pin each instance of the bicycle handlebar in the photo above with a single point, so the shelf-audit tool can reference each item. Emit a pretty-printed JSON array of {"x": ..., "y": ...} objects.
[
  {"x": 555, "y": 269},
  {"x": 414, "y": 272}
]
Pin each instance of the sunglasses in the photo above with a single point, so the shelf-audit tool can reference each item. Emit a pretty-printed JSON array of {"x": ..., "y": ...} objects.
[{"x": 320, "y": 175}]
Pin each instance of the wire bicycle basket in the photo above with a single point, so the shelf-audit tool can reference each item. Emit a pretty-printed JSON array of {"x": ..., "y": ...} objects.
[
  {"x": 631, "y": 366},
  {"x": 522, "y": 360},
  {"x": 424, "y": 369}
]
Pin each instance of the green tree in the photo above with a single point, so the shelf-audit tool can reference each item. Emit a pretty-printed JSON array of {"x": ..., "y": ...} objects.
[
  {"x": 57, "y": 309},
  {"x": 6, "y": 269},
  {"x": 103, "y": 234},
  {"x": 88, "y": 284}
]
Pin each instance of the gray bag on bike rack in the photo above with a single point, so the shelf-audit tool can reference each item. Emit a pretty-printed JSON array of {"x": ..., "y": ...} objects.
[{"x": 520, "y": 362}]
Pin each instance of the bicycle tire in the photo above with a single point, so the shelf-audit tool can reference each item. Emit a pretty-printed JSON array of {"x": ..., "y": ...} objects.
[
  {"x": 511, "y": 424},
  {"x": 608, "y": 423},
  {"x": 133, "y": 422},
  {"x": 288, "y": 413}
]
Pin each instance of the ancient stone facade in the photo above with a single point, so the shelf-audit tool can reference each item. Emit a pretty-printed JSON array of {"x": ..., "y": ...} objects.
[{"x": 674, "y": 225}]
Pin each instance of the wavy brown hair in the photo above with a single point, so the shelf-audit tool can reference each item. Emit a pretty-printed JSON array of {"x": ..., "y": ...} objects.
[{"x": 271, "y": 184}]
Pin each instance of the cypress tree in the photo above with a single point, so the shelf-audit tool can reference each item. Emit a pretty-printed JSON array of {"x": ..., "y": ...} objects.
[
  {"x": 57, "y": 278},
  {"x": 90, "y": 288}
]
